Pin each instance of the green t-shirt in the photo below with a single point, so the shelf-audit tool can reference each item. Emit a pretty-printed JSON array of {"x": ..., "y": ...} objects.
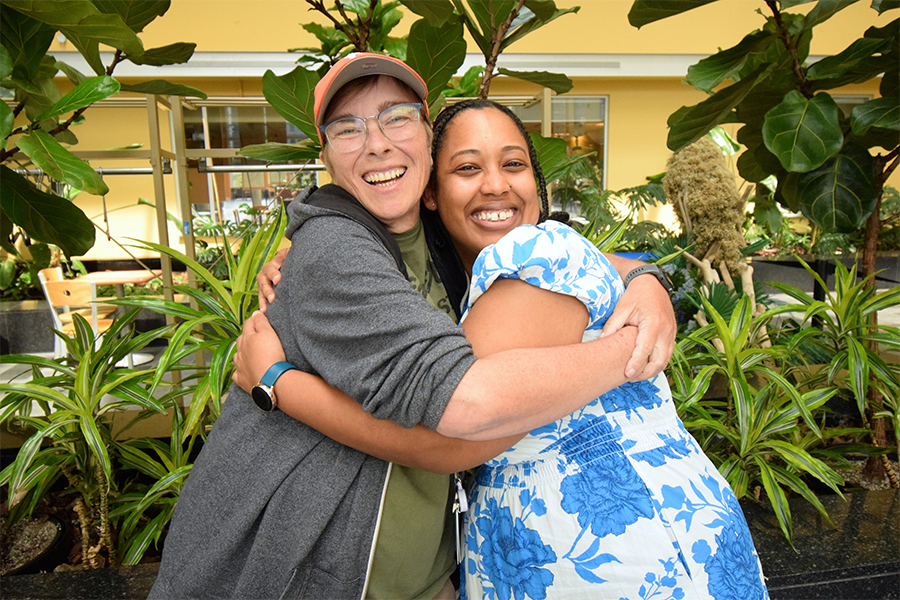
[{"x": 415, "y": 551}]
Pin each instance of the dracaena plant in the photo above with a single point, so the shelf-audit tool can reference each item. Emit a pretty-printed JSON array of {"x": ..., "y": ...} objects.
[
  {"x": 73, "y": 429},
  {"x": 764, "y": 433},
  {"x": 840, "y": 327},
  {"x": 211, "y": 324}
]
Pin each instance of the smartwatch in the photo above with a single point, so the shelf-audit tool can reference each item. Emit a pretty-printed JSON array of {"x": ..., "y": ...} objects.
[
  {"x": 263, "y": 393},
  {"x": 652, "y": 270}
]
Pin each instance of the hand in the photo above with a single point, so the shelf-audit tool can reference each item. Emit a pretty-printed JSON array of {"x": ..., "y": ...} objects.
[
  {"x": 258, "y": 348},
  {"x": 269, "y": 277},
  {"x": 646, "y": 305}
]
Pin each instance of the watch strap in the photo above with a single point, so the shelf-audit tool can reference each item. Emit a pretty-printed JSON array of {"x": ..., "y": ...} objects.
[
  {"x": 651, "y": 270},
  {"x": 276, "y": 371}
]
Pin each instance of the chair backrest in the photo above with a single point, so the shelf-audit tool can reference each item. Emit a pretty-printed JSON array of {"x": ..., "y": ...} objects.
[
  {"x": 70, "y": 293},
  {"x": 51, "y": 274}
]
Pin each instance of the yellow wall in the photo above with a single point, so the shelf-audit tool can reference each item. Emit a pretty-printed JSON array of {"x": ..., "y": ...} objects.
[
  {"x": 638, "y": 107},
  {"x": 601, "y": 26}
]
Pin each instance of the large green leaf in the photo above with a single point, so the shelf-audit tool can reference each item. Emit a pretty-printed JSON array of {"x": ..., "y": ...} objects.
[
  {"x": 436, "y": 53},
  {"x": 26, "y": 40},
  {"x": 90, "y": 91},
  {"x": 6, "y": 63},
  {"x": 7, "y": 122},
  {"x": 291, "y": 96},
  {"x": 883, "y": 5},
  {"x": 60, "y": 164},
  {"x": 557, "y": 82},
  {"x": 850, "y": 58},
  {"x": 482, "y": 39},
  {"x": 883, "y": 113},
  {"x": 551, "y": 153},
  {"x": 173, "y": 54},
  {"x": 490, "y": 15},
  {"x": 690, "y": 123},
  {"x": 137, "y": 14},
  {"x": 647, "y": 11},
  {"x": 73, "y": 74},
  {"x": 437, "y": 12},
  {"x": 83, "y": 25},
  {"x": 45, "y": 217},
  {"x": 725, "y": 64},
  {"x": 803, "y": 133},
  {"x": 839, "y": 196},
  {"x": 274, "y": 152},
  {"x": 162, "y": 87},
  {"x": 538, "y": 21},
  {"x": 824, "y": 10}
]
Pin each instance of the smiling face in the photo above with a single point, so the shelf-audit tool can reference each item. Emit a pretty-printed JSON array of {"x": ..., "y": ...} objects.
[
  {"x": 485, "y": 183},
  {"x": 386, "y": 177}
]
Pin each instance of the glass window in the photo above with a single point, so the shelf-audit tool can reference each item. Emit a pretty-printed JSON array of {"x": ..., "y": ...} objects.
[
  {"x": 226, "y": 196},
  {"x": 581, "y": 122}
]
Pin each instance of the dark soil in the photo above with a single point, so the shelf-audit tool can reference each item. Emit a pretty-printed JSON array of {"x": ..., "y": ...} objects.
[{"x": 27, "y": 541}]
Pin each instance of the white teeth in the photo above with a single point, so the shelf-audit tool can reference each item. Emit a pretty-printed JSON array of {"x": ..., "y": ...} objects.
[
  {"x": 384, "y": 177},
  {"x": 494, "y": 215}
]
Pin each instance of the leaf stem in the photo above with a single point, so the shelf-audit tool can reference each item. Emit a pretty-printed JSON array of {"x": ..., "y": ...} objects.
[
  {"x": 788, "y": 42},
  {"x": 496, "y": 40}
]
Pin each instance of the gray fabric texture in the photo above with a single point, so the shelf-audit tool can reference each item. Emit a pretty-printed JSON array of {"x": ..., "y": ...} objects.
[{"x": 272, "y": 508}]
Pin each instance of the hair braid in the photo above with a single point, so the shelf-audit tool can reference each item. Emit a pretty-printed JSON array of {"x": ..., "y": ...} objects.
[{"x": 447, "y": 115}]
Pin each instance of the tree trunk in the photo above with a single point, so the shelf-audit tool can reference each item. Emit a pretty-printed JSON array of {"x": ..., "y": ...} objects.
[{"x": 874, "y": 465}]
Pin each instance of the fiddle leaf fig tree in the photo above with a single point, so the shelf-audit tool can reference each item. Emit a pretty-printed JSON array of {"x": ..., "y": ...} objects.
[
  {"x": 830, "y": 167},
  {"x": 35, "y": 131}
]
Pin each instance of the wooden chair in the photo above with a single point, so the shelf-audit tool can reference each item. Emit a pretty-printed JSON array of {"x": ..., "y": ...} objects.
[
  {"x": 65, "y": 297},
  {"x": 104, "y": 311}
]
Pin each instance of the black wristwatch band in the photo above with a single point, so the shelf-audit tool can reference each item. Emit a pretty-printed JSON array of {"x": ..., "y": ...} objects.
[{"x": 651, "y": 270}]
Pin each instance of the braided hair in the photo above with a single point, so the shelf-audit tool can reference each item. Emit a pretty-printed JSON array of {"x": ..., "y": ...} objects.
[{"x": 447, "y": 115}]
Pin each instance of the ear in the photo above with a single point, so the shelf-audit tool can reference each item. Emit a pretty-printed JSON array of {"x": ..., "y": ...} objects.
[{"x": 428, "y": 199}]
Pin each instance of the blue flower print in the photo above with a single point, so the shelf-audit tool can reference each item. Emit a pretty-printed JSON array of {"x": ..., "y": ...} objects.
[
  {"x": 512, "y": 555},
  {"x": 733, "y": 570},
  {"x": 631, "y": 396},
  {"x": 674, "y": 448},
  {"x": 608, "y": 496},
  {"x": 589, "y": 437},
  {"x": 657, "y": 586}
]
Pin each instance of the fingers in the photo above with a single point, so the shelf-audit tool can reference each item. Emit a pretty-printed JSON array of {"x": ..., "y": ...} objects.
[
  {"x": 616, "y": 321},
  {"x": 265, "y": 288},
  {"x": 637, "y": 364}
]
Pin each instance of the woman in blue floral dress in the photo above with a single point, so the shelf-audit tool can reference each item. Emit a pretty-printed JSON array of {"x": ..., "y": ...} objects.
[{"x": 616, "y": 500}]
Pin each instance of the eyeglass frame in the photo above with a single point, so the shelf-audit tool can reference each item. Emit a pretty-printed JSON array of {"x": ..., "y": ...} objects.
[{"x": 365, "y": 120}]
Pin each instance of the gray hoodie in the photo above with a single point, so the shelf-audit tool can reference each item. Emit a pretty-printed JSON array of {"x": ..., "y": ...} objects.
[{"x": 272, "y": 508}]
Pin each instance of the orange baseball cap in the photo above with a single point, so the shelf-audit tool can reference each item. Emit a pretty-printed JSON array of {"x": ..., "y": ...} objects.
[{"x": 363, "y": 64}]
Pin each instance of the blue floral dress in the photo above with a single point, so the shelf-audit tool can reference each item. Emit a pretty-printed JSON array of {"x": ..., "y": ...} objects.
[{"x": 617, "y": 500}]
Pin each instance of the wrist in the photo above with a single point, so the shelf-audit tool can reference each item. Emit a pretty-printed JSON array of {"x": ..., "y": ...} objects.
[
  {"x": 263, "y": 393},
  {"x": 646, "y": 273}
]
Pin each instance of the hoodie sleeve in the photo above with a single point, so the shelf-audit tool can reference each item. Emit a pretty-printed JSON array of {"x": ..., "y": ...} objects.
[{"x": 345, "y": 311}]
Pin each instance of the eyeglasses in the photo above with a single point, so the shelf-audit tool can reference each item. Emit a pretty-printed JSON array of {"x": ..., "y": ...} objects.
[{"x": 398, "y": 122}]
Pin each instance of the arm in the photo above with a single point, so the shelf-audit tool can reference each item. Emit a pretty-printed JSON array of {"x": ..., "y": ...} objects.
[
  {"x": 511, "y": 314},
  {"x": 310, "y": 399},
  {"x": 519, "y": 390},
  {"x": 646, "y": 305}
]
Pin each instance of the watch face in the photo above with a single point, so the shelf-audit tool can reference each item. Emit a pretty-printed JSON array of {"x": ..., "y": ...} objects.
[{"x": 262, "y": 398}]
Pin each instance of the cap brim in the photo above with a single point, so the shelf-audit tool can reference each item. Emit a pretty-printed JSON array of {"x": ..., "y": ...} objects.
[{"x": 363, "y": 65}]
